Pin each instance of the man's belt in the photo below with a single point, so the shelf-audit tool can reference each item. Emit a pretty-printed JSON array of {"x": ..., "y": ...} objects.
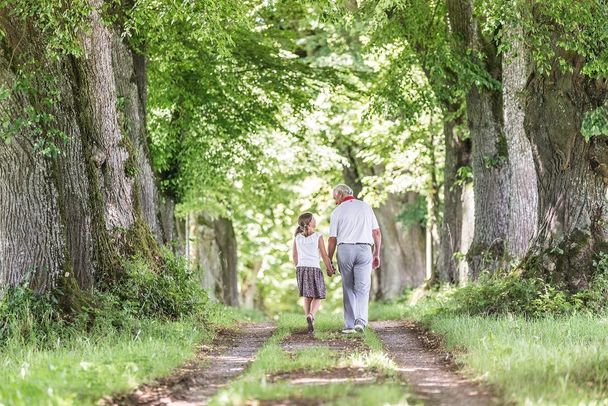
[{"x": 356, "y": 243}]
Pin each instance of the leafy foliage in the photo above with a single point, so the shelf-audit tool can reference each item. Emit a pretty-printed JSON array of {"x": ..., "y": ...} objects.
[
  {"x": 595, "y": 123},
  {"x": 61, "y": 22},
  {"x": 414, "y": 213},
  {"x": 219, "y": 76},
  {"x": 554, "y": 31}
]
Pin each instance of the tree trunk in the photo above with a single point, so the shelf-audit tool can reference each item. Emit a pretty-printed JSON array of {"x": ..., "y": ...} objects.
[
  {"x": 74, "y": 214},
  {"x": 572, "y": 181},
  {"x": 204, "y": 255},
  {"x": 523, "y": 197},
  {"x": 457, "y": 156},
  {"x": 130, "y": 77},
  {"x": 249, "y": 294},
  {"x": 402, "y": 252},
  {"x": 489, "y": 148},
  {"x": 226, "y": 241},
  {"x": 213, "y": 256},
  {"x": 467, "y": 230}
]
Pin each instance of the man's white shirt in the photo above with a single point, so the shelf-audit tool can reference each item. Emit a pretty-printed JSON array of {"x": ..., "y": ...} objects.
[{"x": 352, "y": 222}]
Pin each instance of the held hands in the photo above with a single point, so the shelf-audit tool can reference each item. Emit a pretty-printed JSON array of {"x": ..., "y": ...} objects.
[{"x": 331, "y": 270}]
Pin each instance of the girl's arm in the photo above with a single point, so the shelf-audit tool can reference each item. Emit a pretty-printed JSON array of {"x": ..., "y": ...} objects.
[
  {"x": 326, "y": 260},
  {"x": 294, "y": 254}
]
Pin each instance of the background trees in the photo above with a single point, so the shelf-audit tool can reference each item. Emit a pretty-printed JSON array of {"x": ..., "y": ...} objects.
[{"x": 208, "y": 126}]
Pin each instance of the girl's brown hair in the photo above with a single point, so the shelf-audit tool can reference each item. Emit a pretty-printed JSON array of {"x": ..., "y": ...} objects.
[{"x": 303, "y": 222}]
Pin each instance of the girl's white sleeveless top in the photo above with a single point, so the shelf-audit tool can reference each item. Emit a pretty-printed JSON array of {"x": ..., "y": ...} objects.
[{"x": 308, "y": 250}]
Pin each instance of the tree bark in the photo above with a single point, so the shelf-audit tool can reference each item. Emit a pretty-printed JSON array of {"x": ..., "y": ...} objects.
[
  {"x": 402, "y": 252},
  {"x": 523, "y": 197},
  {"x": 226, "y": 241},
  {"x": 467, "y": 230},
  {"x": 457, "y": 156},
  {"x": 213, "y": 256},
  {"x": 489, "y": 148},
  {"x": 205, "y": 257},
  {"x": 130, "y": 76},
  {"x": 72, "y": 215},
  {"x": 572, "y": 181}
]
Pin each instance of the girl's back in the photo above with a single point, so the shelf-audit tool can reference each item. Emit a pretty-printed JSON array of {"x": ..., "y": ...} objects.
[{"x": 308, "y": 250}]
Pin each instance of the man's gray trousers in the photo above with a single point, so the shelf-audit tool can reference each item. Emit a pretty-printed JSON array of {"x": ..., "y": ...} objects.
[{"x": 355, "y": 265}]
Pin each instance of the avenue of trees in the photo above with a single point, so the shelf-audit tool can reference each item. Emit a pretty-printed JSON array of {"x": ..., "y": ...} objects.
[{"x": 477, "y": 129}]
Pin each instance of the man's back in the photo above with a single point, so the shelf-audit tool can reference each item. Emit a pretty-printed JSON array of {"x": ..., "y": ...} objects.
[{"x": 352, "y": 222}]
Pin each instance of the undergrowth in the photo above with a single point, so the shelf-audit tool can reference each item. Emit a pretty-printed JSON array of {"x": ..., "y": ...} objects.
[
  {"x": 125, "y": 333},
  {"x": 29, "y": 318},
  {"x": 508, "y": 292}
]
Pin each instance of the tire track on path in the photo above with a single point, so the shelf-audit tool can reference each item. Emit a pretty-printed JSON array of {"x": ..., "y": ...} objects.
[
  {"x": 429, "y": 373},
  {"x": 215, "y": 366}
]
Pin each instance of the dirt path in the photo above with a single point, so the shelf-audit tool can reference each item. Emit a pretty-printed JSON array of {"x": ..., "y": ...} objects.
[
  {"x": 214, "y": 367},
  {"x": 429, "y": 372},
  {"x": 426, "y": 370},
  {"x": 336, "y": 374}
]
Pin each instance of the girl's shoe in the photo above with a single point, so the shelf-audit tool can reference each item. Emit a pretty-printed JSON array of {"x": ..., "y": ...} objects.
[{"x": 311, "y": 323}]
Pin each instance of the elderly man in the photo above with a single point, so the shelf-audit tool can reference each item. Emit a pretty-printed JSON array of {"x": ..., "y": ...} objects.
[{"x": 354, "y": 230}]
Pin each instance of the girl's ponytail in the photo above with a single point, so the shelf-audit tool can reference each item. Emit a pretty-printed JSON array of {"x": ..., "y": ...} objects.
[
  {"x": 299, "y": 230},
  {"x": 303, "y": 222}
]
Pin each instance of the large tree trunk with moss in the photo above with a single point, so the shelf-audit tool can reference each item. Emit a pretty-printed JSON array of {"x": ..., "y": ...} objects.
[
  {"x": 131, "y": 81},
  {"x": 75, "y": 213},
  {"x": 572, "y": 174}
]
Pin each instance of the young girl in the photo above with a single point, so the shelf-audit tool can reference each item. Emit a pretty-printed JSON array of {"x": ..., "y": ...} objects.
[{"x": 307, "y": 246}]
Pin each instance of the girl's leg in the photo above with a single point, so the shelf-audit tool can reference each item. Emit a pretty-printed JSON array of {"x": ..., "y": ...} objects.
[
  {"x": 314, "y": 306},
  {"x": 307, "y": 301}
]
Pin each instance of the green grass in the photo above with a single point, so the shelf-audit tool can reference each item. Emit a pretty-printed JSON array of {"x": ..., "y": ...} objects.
[
  {"x": 352, "y": 394},
  {"x": 549, "y": 361},
  {"x": 389, "y": 310},
  {"x": 553, "y": 360},
  {"x": 82, "y": 369},
  {"x": 272, "y": 359}
]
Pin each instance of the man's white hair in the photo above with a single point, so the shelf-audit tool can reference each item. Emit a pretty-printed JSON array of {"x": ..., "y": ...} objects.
[{"x": 343, "y": 190}]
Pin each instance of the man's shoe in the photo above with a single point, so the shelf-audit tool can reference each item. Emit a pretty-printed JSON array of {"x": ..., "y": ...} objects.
[
  {"x": 348, "y": 331},
  {"x": 359, "y": 328}
]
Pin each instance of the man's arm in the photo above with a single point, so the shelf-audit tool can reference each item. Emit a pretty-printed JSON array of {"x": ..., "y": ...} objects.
[
  {"x": 331, "y": 247},
  {"x": 332, "y": 242},
  {"x": 377, "y": 235}
]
